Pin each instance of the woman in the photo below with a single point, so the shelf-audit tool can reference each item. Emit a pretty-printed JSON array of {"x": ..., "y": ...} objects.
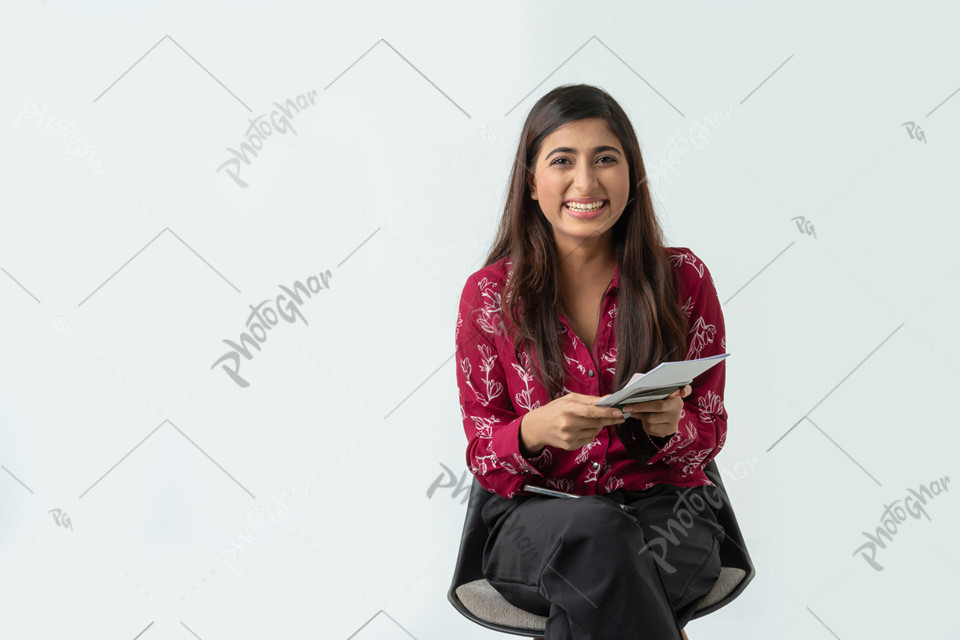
[{"x": 577, "y": 295}]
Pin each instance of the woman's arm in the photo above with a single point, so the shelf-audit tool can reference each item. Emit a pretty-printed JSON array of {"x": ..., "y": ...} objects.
[
  {"x": 702, "y": 429},
  {"x": 490, "y": 421}
]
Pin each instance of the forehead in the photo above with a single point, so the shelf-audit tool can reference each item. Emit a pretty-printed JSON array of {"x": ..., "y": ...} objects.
[{"x": 581, "y": 134}]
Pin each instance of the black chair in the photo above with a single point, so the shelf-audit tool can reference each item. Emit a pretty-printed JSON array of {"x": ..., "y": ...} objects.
[{"x": 475, "y": 598}]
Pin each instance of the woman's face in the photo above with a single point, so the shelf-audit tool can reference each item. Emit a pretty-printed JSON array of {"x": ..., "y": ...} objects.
[{"x": 580, "y": 161}]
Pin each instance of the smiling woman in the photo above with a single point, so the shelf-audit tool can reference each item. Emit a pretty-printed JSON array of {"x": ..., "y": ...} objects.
[
  {"x": 577, "y": 294},
  {"x": 579, "y": 182}
]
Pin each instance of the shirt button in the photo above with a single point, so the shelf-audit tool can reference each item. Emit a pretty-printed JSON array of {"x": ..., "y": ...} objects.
[
  {"x": 595, "y": 465},
  {"x": 590, "y": 373}
]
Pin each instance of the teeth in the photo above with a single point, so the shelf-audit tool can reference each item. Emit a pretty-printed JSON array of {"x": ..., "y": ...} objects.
[{"x": 585, "y": 207}]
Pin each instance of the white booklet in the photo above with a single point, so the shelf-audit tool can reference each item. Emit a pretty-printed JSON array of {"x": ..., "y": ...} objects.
[{"x": 660, "y": 381}]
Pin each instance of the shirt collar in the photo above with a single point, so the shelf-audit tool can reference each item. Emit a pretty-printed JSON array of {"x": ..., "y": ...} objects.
[{"x": 616, "y": 277}]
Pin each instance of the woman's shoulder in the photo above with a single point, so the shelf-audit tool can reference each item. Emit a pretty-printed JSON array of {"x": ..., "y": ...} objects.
[
  {"x": 493, "y": 275},
  {"x": 696, "y": 281},
  {"x": 481, "y": 300},
  {"x": 689, "y": 264}
]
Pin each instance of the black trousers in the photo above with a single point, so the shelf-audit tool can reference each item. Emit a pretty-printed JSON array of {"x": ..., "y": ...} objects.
[{"x": 625, "y": 565}]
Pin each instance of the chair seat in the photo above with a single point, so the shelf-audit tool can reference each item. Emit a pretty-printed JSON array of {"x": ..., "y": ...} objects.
[
  {"x": 486, "y": 603},
  {"x": 475, "y": 598}
]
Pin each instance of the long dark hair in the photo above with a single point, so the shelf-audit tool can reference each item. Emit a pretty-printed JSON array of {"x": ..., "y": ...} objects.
[{"x": 650, "y": 325}]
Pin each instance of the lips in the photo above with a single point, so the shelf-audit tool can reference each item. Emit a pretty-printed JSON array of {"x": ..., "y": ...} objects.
[
  {"x": 586, "y": 215},
  {"x": 585, "y": 200}
]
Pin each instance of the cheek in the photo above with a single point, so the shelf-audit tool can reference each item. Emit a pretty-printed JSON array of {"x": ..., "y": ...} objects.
[{"x": 552, "y": 192}]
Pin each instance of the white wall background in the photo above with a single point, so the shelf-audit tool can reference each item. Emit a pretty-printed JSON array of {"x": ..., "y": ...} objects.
[{"x": 128, "y": 259}]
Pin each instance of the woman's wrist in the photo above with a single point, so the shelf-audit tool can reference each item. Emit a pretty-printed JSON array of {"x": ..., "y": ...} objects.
[
  {"x": 660, "y": 441},
  {"x": 529, "y": 446}
]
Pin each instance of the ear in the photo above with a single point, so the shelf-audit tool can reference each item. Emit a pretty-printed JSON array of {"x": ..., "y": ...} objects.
[{"x": 532, "y": 184}]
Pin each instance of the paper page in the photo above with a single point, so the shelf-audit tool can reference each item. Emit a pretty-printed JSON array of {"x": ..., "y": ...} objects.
[{"x": 660, "y": 381}]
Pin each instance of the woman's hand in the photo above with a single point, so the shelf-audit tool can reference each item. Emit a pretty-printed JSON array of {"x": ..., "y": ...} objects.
[
  {"x": 569, "y": 422},
  {"x": 660, "y": 417}
]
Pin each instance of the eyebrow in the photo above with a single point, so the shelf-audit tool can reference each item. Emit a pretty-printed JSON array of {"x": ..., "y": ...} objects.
[{"x": 572, "y": 150}]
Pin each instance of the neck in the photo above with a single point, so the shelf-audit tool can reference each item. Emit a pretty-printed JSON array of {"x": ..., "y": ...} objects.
[{"x": 581, "y": 269}]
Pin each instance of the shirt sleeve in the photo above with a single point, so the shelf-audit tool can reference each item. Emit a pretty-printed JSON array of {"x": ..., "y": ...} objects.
[
  {"x": 490, "y": 420},
  {"x": 702, "y": 429}
]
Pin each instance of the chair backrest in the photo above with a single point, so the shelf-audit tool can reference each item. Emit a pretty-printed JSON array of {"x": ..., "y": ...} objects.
[
  {"x": 733, "y": 551},
  {"x": 473, "y": 539}
]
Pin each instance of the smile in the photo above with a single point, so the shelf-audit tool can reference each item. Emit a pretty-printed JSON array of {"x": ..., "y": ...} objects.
[{"x": 585, "y": 212}]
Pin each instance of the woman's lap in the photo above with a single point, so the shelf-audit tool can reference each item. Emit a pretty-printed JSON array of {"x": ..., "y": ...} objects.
[{"x": 659, "y": 550}]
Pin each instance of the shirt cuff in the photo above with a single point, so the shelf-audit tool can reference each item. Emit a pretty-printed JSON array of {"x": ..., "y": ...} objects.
[
  {"x": 663, "y": 444},
  {"x": 660, "y": 441},
  {"x": 506, "y": 446}
]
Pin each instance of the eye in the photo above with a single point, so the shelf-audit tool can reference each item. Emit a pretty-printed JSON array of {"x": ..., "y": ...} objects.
[{"x": 610, "y": 158}]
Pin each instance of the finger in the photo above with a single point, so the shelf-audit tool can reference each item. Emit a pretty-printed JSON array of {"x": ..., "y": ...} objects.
[
  {"x": 654, "y": 418},
  {"x": 595, "y": 425},
  {"x": 584, "y": 436},
  {"x": 585, "y": 398},
  {"x": 646, "y": 405},
  {"x": 591, "y": 401},
  {"x": 649, "y": 405},
  {"x": 685, "y": 390},
  {"x": 594, "y": 412},
  {"x": 590, "y": 427}
]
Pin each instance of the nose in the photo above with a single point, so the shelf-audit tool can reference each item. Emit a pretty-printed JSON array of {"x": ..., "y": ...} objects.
[{"x": 585, "y": 178}]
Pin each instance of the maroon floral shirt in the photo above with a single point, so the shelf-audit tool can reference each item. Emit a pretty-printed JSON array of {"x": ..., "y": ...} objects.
[{"x": 496, "y": 390}]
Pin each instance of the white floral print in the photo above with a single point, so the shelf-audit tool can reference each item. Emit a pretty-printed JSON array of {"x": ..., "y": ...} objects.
[
  {"x": 545, "y": 459},
  {"x": 679, "y": 258},
  {"x": 496, "y": 388},
  {"x": 711, "y": 405},
  {"x": 585, "y": 451},
  {"x": 523, "y": 397},
  {"x": 703, "y": 334},
  {"x": 612, "y": 484},
  {"x": 561, "y": 484}
]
